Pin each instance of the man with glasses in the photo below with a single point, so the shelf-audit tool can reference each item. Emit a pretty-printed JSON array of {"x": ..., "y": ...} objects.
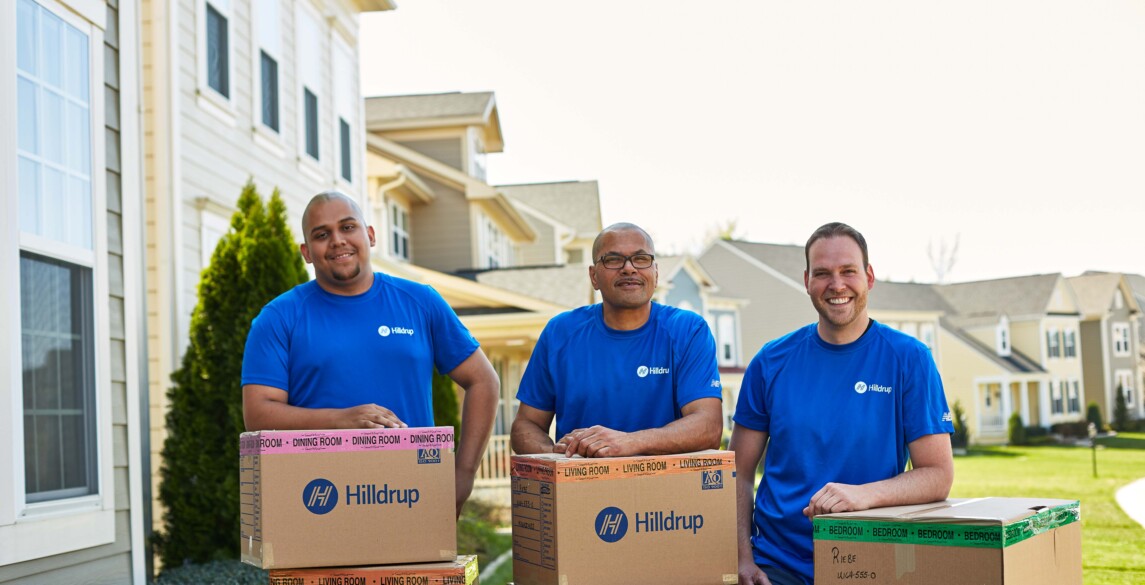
[{"x": 626, "y": 376}]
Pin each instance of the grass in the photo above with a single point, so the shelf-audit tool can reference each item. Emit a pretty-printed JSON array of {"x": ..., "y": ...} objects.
[{"x": 1113, "y": 545}]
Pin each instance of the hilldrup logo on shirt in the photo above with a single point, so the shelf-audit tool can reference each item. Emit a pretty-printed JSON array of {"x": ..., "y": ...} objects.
[
  {"x": 385, "y": 331},
  {"x": 861, "y": 387},
  {"x": 643, "y": 371}
]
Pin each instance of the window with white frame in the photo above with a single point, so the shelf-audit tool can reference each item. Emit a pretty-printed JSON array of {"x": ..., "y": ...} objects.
[
  {"x": 1056, "y": 404},
  {"x": 1069, "y": 343},
  {"x": 910, "y": 328},
  {"x": 268, "y": 24},
  {"x": 493, "y": 245},
  {"x": 1124, "y": 381},
  {"x": 346, "y": 104},
  {"x": 1002, "y": 338},
  {"x": 216, "y": 18},
  {"x": 1074, "y": 402},
  {"x": 725, "y": 329},
  {"x": 1120, "y": 339},
  {"x": 309, "y": 35},
  {"x": 1053, "y": 343},
  {"x": 399, "y": 231},
  {"x": 53, "y": 405},
  {"x": 926, "y": 334}
]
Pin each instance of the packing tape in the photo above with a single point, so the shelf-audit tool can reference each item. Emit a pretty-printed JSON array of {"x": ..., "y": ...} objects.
[{"x": 904, "y": 559}]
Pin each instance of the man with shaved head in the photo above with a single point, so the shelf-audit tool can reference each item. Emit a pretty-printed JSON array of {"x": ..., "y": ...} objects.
[
  {"x": 355, "y": 348},
  {"x": 626, "y": 376}
]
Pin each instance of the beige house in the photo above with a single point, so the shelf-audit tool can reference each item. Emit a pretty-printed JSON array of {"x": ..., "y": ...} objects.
[
  {"x": 1110, "y": 334},
  {"x": 73, "y": 464}
]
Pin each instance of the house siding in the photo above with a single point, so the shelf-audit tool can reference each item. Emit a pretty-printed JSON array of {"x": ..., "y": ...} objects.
[
  {"x": 542, "y": 251},
  {"x": 775, "y": 308},
  {"x": 1094, "y": 373},
  {"x": 962, "y": 368},
  {"x": 443, "y": 239},
  {"x": 445, "y": 150},
  {"x": 684, "y": 289},
  {"x": 197, "y": 161}
]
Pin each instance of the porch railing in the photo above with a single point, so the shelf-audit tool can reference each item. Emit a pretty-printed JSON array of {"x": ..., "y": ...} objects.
[{"x": 494, "y": 470}]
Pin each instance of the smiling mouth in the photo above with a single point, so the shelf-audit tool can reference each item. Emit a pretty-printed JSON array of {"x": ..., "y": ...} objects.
[{"x": 838, "y": 300}]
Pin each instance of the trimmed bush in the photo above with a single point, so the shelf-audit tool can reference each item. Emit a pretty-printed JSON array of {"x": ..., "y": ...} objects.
[
  {"x": 1093, "y": 415},
  {"x": 960, "y": 439},
  {"x": 1017, "y": 430},
  {"x": 254, "y": 262},
  {"x": 1120, "y": 412},
  {"x": 445, "y": 411}
]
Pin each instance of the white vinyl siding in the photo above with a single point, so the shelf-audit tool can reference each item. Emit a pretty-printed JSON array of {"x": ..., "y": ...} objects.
[{"x": 346, "y": 105}]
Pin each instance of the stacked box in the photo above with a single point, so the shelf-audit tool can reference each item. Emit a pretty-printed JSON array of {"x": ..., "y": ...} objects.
[
  {"x": 353, "y": 497},
  {"x": 668, "y": 519},
  {"x": 460, "y": 571},
  {"x": 985, "y": 541}
]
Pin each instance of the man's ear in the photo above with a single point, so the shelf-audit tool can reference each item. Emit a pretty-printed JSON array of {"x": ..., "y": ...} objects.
[
  {"x": 592, "y": 276},
  {"x": 305, "y": 252},
  {"x": 370, "y": 231}
]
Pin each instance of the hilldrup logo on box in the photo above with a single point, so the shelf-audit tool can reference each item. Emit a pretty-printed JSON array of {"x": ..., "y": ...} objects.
[
  {"x": 320, "y": 496},
  {"x": 612, "y": 523}
]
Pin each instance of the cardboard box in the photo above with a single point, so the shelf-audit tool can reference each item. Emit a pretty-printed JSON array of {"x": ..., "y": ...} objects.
[
  {"x": 667, "y": 519},
  {"x": 460, "y": 571},
  {"x": 354, "y": 497},
  {"x": 985, "y": 541}
]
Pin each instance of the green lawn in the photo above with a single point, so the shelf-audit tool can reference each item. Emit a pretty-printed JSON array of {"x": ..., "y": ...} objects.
[{"x": 1113, "y": 545}]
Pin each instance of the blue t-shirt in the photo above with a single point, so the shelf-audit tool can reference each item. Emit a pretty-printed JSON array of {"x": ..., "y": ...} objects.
[
  {"x": 332, "y": 351},
  {"x": 589, "y": 374},
  {"x": 834, "y": 413}
]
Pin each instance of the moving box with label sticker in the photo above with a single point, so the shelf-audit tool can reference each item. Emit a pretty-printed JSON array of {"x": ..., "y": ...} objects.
[
  {"x": 668, "y": 519},
  {"x": 353, "y": 497},
  {"x": 985, "y": 541},
  {"x": 460, "y": 571}
]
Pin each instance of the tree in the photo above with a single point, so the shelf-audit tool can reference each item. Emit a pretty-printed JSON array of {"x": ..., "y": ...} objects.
[
  {"x": 943, "y": 259},
  {"x": 1120, "y": 411},
  {"x": 1093, "y": 415},
  {"x": 445, "y": 410},
  {"x": 254, "y": 262}
]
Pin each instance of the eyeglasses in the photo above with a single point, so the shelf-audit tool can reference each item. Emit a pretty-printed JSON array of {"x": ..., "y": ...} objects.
[{"x": 616, "y": 261}]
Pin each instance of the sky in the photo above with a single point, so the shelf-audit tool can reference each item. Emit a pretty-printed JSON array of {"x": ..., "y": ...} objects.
[{"x": 1016, "y": 129}]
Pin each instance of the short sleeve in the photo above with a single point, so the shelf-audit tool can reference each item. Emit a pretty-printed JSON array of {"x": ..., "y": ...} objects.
[{"x": 751, "y": 408}]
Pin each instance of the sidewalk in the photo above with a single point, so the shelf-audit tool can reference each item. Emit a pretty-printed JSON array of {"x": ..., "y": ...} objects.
[{"x": 1131, "y": 498}]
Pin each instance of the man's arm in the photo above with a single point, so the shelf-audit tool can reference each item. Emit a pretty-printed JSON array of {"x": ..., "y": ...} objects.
[
  {"x": 929, "y": 480},
  {"x": 266, "y": 408},
  {"x": 749, "y": 446},
  {"x": 530, "y": 432},
  {"x": 482, "y": 388},
  {"x": 699, "y": 428}
]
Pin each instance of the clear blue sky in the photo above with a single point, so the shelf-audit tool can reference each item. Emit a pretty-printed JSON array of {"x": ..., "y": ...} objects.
[{"x": 1018, "y": 126}]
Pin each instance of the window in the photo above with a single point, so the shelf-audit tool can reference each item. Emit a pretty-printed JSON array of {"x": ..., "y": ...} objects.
[
  {"x": 1070, "y": 343},
  {"x": 1074, "y": 396},
  {"x": 269, "y": 44},
  {"x": 1056, "y": 405},
  {"x": 346, "y": 104},
  {"x": 926, "y": 334},
  {"x": 218, "y": 47},
  {"x": 1121, "y": 339},
  {"x": 725, "y": 329},
  {"x": 1124, "y": 382},
  {"x": 493, "y": 245},
  {"x": 1002, "y": 337},
  {"x": 399, "y": 231},
  {"x": 344, "y": 149},
  {"x": 910, "y": 328},
  {"x": 310, "y": 80},
  {"x": 54, "y": 408},
  {"x": 1053, "y": 344}
]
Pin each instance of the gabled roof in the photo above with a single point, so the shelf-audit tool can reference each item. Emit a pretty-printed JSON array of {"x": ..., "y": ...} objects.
[
  {"x": 566, "y": 286},
  {"x": 788, "y": 260},
  {"x": 1017, "y": 362},
  {"x": 907, "y": 296},
  {"x": 1095, "y": 292},
  {"x": 1016, "y": 296},
  {"x": 573, "y": 203},
  {"x": 437, "y": 110},
  {"x": 670, "y": 265}
]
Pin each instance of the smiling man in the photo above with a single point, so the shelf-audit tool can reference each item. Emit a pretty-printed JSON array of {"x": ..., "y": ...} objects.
[
  {"x": 623, "y": 377},
  {"x": 840, "y": 406},
  {"x": 355, "y": 348}
]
